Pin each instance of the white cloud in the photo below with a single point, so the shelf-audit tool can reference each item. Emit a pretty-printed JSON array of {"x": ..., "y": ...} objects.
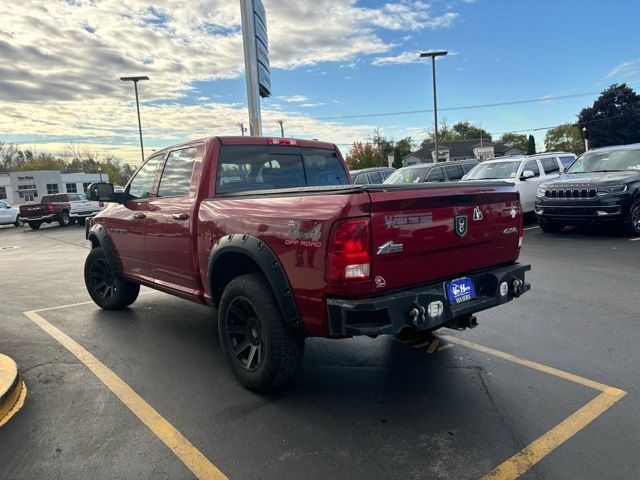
[
  {"x": 626, "y": 70},
  {"x": 410, "y": 56},
  {"x": 294, "y": 98},
  {"x": 61, "y": 61}
]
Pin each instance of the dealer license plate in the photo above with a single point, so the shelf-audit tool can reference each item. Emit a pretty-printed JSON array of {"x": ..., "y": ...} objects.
[{"x": 460, "y": 290}]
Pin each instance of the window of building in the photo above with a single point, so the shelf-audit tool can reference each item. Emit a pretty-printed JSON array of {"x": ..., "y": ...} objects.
[
  {"x": 71, "y": 187},
  {"x": 52, "y": 188},
  {"x": 533, "y": 166},
  {"x": 27, "y": 192},
  {"x": 176, "y": 177},
  {"x": 3, "y": 193}
]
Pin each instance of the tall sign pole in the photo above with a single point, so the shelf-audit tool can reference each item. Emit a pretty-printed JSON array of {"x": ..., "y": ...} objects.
[{"x": 256, "y": 59}]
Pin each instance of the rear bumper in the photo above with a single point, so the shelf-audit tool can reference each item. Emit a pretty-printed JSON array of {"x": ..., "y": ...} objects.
[
  {"x": 83, "y": 214},
  {"x": 391, "y": 313},
  {"x": 43, "y": 218}
]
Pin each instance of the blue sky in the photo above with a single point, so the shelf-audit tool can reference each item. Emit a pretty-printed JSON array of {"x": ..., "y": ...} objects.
[{"x": 330, "y": 59}]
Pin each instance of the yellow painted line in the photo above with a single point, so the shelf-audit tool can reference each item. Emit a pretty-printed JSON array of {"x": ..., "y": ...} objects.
[
  {"x": 433, "y": 346},
  {"x": 193, "y": 459},
  {"x": 17, "y": 406},
  {"x": 543, "y": 446},
  {"x": 528, "y": 363},
  {"x": 444, "y": 347},
  {"x": 526, "y": 458},
  {"x": 89, "y": 302}
]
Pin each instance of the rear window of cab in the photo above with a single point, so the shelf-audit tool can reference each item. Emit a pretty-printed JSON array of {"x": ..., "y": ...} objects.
[{"x": 244, "y": 168}]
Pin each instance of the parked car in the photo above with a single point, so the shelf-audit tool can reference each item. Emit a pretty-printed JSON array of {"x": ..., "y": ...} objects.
[
  {"x": 527, "y": 172},
  {"x": 432, "y": 172},
  {"x": 370, "y": 175},
  {"x": 270, "y": 231},
  {"x": 602, "y": 186},
  {"x": 9, "y": 215},
  {"x": 64, "y": 208}
]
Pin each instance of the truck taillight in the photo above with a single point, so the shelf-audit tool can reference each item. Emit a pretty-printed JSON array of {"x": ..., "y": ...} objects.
[
  {"x": 281, "y": 141},
  {"x": 349, "y": 251},
  {"x": 520, "y": 225}
]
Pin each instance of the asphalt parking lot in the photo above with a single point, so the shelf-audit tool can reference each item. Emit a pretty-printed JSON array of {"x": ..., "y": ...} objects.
[{"x": 545, "y": 387}]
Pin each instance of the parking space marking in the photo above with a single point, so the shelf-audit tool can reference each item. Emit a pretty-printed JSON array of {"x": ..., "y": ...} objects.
[
  {"x": 433, "y": 346},
  {"x": 193, "y": 459},
  {"x": 533, "y": 453},
  {"x": 531, "y": 228},
  {"x": 634, "y": 239}
]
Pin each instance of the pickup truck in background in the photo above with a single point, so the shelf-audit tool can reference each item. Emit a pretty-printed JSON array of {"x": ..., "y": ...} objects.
[
  {"x": 272, "y": 233},
  {"x": 64, "y": 208}
]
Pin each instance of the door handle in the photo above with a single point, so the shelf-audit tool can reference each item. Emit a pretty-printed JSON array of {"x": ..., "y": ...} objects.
[
  {"x": 180, "y": 216},
  {"x": 139, "y": 216}
]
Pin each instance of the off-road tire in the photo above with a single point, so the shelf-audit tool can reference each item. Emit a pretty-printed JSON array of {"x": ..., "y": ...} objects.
[
  {"x": 632, "y": 223},
  {"x": 35, "y": 225},
  {"x": 64, "y": 219},
  {"x": 550, "y": 227},
  {"x": 282, "y": 346},
  {"x": 117, "y": 292}
]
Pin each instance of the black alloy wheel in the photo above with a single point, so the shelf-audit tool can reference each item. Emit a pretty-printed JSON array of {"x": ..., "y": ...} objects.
[
  {"x": 102, "y": 279},
  {"x": 633, "y": 224},
  {"x": 245, "y": 334},
  {"x": 65, "y": 219}
]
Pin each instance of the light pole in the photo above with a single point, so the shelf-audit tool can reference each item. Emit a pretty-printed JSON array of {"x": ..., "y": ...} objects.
[
  {"x": 100, "y": 172},
  {"x": 586, "y": 141},
  {"x": 135, "y": 81},
  {"x": 433, "y": 55},
  {"x": 281, "y": 123},
  {"x": 243, "y": 129}
]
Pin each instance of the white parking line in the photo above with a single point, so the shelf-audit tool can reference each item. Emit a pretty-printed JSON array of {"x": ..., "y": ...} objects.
[
  {"x": 634, "y": 239},
  {"x": 531, "y": 228}
]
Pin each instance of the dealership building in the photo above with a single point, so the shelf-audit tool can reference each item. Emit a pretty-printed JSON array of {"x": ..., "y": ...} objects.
[{"x": 29, "y": 187}]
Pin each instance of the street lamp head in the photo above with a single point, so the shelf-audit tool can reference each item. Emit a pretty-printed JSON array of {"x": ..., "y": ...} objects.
[
  {"x": 584, "y": 129},
  {"x": 434, "y": 53},
  {"x": 134, "y": 79}
]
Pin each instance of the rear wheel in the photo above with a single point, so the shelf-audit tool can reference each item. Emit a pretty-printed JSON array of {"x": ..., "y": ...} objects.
[
  {"x": 262, "y": 351},
  {"x": 18, "y": 223},
  {"x": 550, "y": 227},
  {"x": 633, "y": 222},
  {"x": 64, "y": 219},
  {"x": 106, "y": 287},
  {"x": 35, "y": 225}
]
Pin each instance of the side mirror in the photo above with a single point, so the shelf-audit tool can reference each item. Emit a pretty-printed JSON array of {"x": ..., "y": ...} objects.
[
  {"x": 527, "y": 174},
  {"x": 102, "y": 192}
]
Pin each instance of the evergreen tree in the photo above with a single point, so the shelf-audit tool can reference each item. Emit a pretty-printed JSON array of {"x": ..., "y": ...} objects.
[{"x": 531, "y": 145}]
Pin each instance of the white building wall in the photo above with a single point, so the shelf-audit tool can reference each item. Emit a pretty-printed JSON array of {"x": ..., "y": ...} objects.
[
  {"x": 29, "y": 187},
  {"x": 6, "y": 193}
]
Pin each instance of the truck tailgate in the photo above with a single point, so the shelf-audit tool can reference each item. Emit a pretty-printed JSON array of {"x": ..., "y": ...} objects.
[
  {"x": 33, "y": 211},
  {"x": 416, "y": 240}
]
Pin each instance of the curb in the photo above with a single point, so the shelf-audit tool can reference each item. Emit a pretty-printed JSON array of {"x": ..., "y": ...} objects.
[{"x": 12, "y": 389}]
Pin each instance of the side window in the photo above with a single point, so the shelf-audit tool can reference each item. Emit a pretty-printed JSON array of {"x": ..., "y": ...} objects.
[
  {"x": 550, "y": 165},
  {"x": 361, "y": 179},
  {"x": 435, "y": 175},
  {"x": 533, "y": 166},
  {"x": 567, "y": 161},
  {"x": 453, "y": 172},
  {"x": 176, "y": 177},
  {"x": 142, "y": 184},
  {"x": 467, "y": 167},
  {"x": 375, "y": 177}
]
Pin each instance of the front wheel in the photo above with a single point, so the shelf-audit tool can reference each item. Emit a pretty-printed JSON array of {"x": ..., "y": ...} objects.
[
  {"x": 105, "y": 286},
  {"x": 18, "y": 223},
  {"x": 262, "y": 351},
  {"x": 64, "y": 219},
  {"x": 550, "y": 227},
  {"x": 633, "y": 221}
]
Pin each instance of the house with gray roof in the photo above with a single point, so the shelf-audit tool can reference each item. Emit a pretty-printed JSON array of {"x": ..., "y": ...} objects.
[{"x": 461, "y": 150}]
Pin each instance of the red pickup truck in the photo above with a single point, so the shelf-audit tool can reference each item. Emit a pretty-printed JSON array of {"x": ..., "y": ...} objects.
[
  {"x": 271, "y": 232},
  {"x": 64, "y": 208}
]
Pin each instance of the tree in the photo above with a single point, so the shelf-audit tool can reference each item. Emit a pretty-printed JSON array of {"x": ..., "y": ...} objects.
[
  {"x": 514, "y": 140},
  {"x": 565, "y": 138},
  {"x": 459, "y": 131},
  {"x": 531, "y": 145},
  {"x": 376, "y": 152},
  {"x": 614, "y": 118},
  {"x": 403, "y": 148}
]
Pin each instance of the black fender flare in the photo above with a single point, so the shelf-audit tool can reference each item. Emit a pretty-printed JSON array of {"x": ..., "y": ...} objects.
[
  {"x": 99, "y": 233},
  {"x": 256, "y": 250}
]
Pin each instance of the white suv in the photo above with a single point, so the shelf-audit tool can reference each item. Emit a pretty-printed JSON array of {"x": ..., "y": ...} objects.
[
  {"x": 527, "y": 172},
  {"x": 9, "y": 215}
]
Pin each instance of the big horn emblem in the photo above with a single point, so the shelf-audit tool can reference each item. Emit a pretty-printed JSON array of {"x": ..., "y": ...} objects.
[{"x": 461, "y": 225}]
